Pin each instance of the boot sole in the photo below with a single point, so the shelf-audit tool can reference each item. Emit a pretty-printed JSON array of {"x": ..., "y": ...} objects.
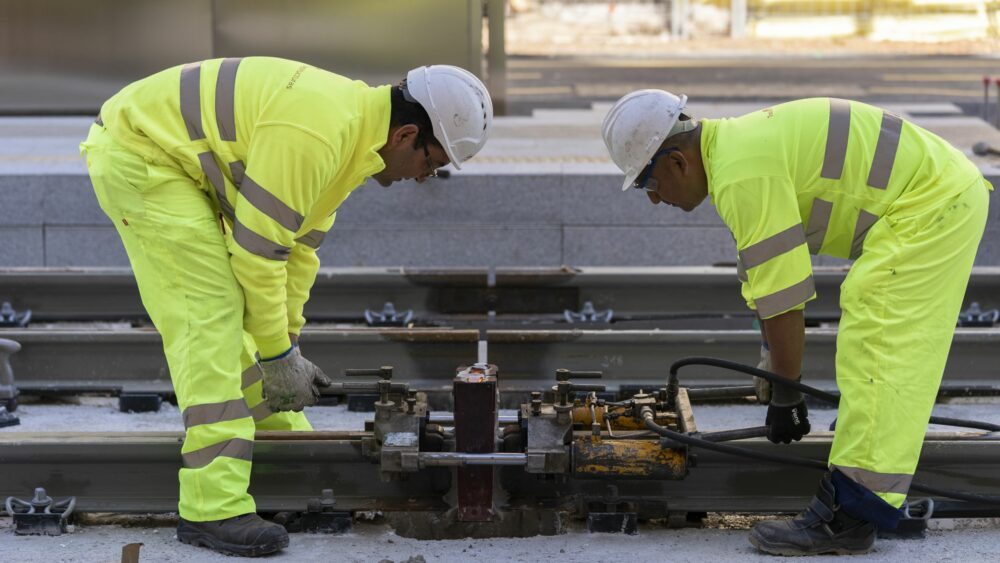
[
  {"x": 794, "y": 551},
  {"x": 201, "y": 539}
]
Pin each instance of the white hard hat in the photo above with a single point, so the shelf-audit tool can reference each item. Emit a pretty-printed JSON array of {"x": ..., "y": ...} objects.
[
  {"x": 637, "y": 125},
  {"x": 459, "y": 106}
]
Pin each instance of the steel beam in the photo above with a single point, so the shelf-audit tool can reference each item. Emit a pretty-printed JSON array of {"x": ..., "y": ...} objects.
[
  {"x": 426, "y": 357},
  {"x": 137, "y": 472},
  {"x": 110, "y": 293}
]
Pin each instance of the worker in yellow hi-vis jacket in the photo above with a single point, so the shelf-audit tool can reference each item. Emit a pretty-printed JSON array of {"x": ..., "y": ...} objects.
[
  {"x": 845, "y": 179},
  {"x": 222, "y": 178}
]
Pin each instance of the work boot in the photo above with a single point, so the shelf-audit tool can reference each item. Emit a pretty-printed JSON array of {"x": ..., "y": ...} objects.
[
  {"x": 248, "y": 535},
  {"x": 822, "y": 528}
]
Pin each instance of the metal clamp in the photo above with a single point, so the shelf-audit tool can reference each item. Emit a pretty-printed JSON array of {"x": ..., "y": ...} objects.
[
  {"x": 974, "y": 316},
  {"x": 8, "y": 390},
  {"x": 389, "y": 316},
  {"x": 9, "y": 318},
  {"x": 588, "y": 314},
  {"x": 41, "y": 516}
]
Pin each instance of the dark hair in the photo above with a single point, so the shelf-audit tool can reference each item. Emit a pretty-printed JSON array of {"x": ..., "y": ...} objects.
[{"x": 405, "y": 113}]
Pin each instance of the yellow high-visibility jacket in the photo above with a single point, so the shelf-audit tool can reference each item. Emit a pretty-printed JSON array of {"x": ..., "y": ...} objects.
[
  {"x": 811, "y": 177},
  {"x": 278, "y": 145}
]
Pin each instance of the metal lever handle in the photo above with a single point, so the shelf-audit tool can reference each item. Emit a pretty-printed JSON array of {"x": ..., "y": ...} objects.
[
  {"x": 566, "y": 374},
  {"x": 347, "y": 388},
  {"x": 385, "y": 372}
]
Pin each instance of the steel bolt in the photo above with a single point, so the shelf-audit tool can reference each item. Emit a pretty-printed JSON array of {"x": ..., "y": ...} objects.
[{"x": 536, "y": 403}]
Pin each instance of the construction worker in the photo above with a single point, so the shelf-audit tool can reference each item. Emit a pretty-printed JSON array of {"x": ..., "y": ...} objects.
[
  {"x": 845, "y": 179},
  {"x": 222, "y": 178}
]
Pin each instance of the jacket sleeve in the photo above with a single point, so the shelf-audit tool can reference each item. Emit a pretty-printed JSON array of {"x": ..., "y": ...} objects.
[
  {"x": 302, "y": 267},
  {"x": 773, "y": 258},
  {"x": 287, "y": 167}
]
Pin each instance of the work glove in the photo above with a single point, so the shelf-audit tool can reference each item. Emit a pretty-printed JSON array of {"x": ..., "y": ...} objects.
[
  {"x": 290, "y": 382},
  {"x": 761, "y": 385},
  {"x": 787, "y": 415}
]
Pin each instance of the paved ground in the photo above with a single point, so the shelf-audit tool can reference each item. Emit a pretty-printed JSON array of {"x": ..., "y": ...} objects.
[{"x": 972, "y": 541}]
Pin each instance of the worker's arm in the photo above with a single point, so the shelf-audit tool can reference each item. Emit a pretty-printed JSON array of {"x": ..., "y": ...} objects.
[
  {"x": 303, "y": 264},
  {"x": 776, "y": 275},
  {"x": 287, "y": 168},
  {"x": 785, "y": 338}
]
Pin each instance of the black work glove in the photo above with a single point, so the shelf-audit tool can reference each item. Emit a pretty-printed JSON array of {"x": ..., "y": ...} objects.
[{"x": 787, "y": 415}]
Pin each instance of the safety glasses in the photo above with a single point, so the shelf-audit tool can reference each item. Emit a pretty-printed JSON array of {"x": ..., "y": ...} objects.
[
  {"x": 430, "y": 163},
  {"x": 644, "y": 181}
]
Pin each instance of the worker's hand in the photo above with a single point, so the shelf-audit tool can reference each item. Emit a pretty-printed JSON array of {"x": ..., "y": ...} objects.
[
  {"x": 787, "y": 415},
  {"x": 763, "y": 386},
  {"x": 290, "y": 381}
]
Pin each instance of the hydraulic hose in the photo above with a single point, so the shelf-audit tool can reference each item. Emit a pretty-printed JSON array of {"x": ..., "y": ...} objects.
[
  {"x": 790, "y": 460},
  {"x": 819, "y": 394}
]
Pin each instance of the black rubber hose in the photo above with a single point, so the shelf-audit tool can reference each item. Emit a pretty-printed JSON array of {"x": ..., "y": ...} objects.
[
  {"x": 822, "y": 395},
  {"x": 801, "y": 462}
]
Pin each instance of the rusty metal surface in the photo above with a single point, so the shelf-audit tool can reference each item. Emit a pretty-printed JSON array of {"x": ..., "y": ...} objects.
[
  {"x": 476, "y": 408},
  {"x": 627, "y": 459}
]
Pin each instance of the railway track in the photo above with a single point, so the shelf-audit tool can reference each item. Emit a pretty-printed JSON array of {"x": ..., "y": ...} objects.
[
  {"x": 114, "y": 360},
  {"x": 136, "y": 472},
  {"x": 681, "y": 294}
]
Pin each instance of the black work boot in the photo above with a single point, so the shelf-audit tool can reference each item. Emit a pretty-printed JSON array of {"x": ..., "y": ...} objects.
[
  {"x": 248, "y": 535},
  {"x": 822, "y": 528}
]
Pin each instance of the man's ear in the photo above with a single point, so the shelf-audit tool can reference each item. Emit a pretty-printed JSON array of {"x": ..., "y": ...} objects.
[
  {"x": 404, "y": 134},
  {"x": 679, "y": 160}
]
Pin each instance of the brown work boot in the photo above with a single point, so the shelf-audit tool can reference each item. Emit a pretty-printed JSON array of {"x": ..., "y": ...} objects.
[{"x": 248, "y": 535}]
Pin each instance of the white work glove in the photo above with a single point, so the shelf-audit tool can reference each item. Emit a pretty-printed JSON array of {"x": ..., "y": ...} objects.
[
  {"x": 762, "y": 385},
  {"x": 290, "y": 382}
]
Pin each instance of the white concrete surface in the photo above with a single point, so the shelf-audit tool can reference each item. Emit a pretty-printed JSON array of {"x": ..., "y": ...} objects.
[{"x": 969, "y": 542}]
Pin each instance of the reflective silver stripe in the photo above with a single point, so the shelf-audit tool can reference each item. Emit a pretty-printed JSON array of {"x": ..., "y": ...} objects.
[
  {"x": 312, "y": 239},
  {"x": 256, "y": 244},
  {"x": 783, "y": 300},
  {"x": 864, "y": 222},
  {"x": 191, "y": 100},
  {"x": 741, "y": 272},
  {"x": 885, "y": 151},
  {"x": 99, "y": 121},
  {"x": 251, "y": 375},
  {"x": 196, "y": 415},
  {"x": 225, "y": 99},
  {"x": 270, "y": 205},
  {"x": 218, "y": 181},
  {"x": 836, "y": 139},
  {"x": 877, "y": 482},
  {"x": 772, "y": 247},
  {"x": 238, "y": 170},
  {"x": 260, "y": 412},
  {"x": 236, "y": 448},
  {"x": 819, "y": 221}
]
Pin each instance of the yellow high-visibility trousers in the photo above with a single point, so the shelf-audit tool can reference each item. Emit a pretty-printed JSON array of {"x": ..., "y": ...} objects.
[
  {"x": 179, "y": 255},
  {"x": 900, "y": 303}
]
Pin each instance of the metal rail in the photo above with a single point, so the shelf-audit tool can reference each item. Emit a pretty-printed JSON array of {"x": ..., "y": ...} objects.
[
  {"x": 110, "y": 293},
  {"x": 76, "y": 360},
  {"x": 137, "y": 472}
]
